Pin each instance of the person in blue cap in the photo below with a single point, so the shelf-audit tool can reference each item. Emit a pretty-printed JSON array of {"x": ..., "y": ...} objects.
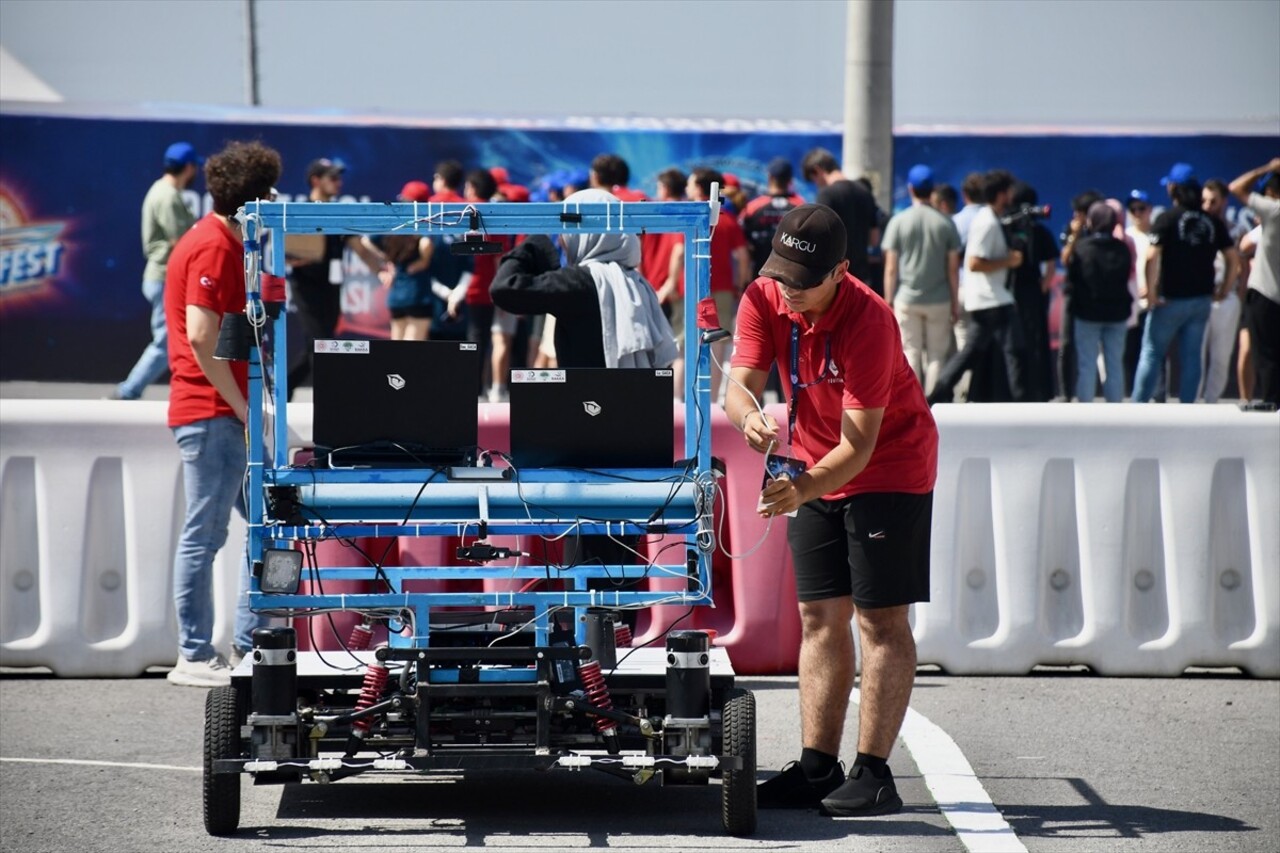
[
  {"x": 165, "y": 218},
  {"x": 1180, "y": 285}
]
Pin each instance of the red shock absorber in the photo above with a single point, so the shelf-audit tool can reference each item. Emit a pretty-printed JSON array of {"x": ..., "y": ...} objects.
[
  {"x": 597, "y": 691},
  {"x": 375, "y": 680},
  {"x": 361, "y": 637},
  {"x": 622, "y": 636}
]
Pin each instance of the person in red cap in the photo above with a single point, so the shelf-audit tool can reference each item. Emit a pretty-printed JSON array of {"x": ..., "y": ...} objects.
[{"x": 862, "y": 507}]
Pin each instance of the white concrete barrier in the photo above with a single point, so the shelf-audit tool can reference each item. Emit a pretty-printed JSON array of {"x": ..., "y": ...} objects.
[
  {"x": 91, "y": 505},
  {"x": 1138, "y": 540}
]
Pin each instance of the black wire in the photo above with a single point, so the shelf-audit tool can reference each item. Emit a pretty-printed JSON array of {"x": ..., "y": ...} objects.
[{"x": 669, "y": 629}]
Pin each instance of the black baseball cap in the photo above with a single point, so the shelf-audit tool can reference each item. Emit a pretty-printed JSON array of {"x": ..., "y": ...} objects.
[
  {"x": 808, "y": 244},
  {"x": 325, "y": 166},
  {"x": 780, "y": 169}
]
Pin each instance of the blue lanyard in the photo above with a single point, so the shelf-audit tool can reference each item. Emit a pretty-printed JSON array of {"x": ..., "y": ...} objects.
[{"x": 796, "y": 385}]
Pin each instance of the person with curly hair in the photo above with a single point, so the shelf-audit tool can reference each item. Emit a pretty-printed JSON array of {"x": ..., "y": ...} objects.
[{"x": 207, "y": 405}]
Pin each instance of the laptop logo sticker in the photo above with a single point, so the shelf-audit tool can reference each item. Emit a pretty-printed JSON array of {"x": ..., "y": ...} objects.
[
  {"x": 591, "y": 407},
  {"x": 395, "y": 380},
  {"x": 343, "y": 347}
]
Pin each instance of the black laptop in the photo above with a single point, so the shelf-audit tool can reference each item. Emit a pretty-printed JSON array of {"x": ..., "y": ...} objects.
[
  {"x": 395, "y": 403},
  {"x": 588, "y": 417}
]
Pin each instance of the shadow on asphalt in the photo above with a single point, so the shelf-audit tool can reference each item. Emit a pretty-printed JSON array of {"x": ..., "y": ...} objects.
[
  {"x": 1098, "y": 819},
  {"x": 599, "y": 808}
]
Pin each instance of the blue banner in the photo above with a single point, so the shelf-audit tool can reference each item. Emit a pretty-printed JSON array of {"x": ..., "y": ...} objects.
[{"x": 71, "y": 190}]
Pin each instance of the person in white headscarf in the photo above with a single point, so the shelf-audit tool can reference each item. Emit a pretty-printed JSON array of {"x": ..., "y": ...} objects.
[{"x": 607, "y": 315}]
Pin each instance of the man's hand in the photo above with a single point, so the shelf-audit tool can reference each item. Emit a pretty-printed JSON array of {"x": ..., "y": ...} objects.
[
  {"x": 781, "y": 496},
  {"x": 760, "y": 431},
  {"x": 1015, "y": 258}
]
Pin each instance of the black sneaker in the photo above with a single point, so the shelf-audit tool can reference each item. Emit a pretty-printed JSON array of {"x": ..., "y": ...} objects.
[
  {"x": 791, "y": 789},
  {"x": 864, "y": 794}
]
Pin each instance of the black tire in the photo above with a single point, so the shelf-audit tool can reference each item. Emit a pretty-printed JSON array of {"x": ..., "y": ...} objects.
[
  {"x": 222, "y": 720},
  {"x": 738, "y": 787}
]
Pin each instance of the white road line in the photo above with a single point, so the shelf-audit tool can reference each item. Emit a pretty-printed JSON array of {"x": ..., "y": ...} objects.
[
  {"x": 955, "y": 787},
  {"x": 85, "y": 763}
]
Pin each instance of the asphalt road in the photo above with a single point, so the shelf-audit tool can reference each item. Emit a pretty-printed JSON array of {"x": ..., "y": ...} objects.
[{"x": 1072, "y": 761}]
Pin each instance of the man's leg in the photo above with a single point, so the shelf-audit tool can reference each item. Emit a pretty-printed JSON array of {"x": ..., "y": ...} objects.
[
  {"x": 911, "y": 325},
  {"x": 978, "y": 338},
  {"x": 154, "y": 360},
  {"x": 937, "y": 341},
  {"x": 1155, "y": 343},
  {"x": 888, "y": 674},
  {"x": 820, "y": 555},
  {"x": 826, "y": 671}
]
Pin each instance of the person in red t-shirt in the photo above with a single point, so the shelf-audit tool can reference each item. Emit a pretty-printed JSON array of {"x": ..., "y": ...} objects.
[
  {"x": 863, "y": 507},
  {"x": 730, "y": 265},
  {"x": 207, "y": 404},
  {"x": 662, "y": 265}
]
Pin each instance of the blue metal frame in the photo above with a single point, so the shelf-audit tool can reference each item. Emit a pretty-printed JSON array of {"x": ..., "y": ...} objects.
[{"x": 381, "y": 502}]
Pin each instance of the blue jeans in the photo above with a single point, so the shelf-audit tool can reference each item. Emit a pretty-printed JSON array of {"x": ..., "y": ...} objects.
[
  {"x": 213, "y": 469},
  {"x": 154, "y": 360},
  {"x": 1088, "y": 334},
  {"x": 1185, "y": 320}
]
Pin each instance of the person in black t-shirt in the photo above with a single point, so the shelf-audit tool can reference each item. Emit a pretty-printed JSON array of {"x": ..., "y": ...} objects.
[
  {"x": 851, "y": 201},
  {"x": 760, "y": 218},
  {"x": 1098, "y": 286},
  {"x": 1184, "y": 242}
]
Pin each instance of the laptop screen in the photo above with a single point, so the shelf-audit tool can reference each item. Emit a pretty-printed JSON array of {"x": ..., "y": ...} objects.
[
  {"x": 592, "y": 417},
  {"x": 396, "y": 403}
]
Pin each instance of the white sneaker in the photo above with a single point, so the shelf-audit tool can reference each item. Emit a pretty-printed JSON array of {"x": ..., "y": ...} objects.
[
  {"x": 498, "y": 394},
  {"x": 213, "y": 672}
]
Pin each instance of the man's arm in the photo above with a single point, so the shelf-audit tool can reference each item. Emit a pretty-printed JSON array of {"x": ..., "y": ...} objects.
[
  {"x": 202, "y": 334},
  {"x": 953, "y": 281},
  {"x": 859, "y": 431},
  {"x": 1243, "y": 185},
  {"x": 1153, "y": 274},
  {"x": 1232, "y": 272},
  {"x": 742, "y": 267},
  {"x": 890, "y": 274},
  {"x": 742, "y": 407},
  {"x": 1012, "y": 261},
  {"x": 372, "y": 256}
]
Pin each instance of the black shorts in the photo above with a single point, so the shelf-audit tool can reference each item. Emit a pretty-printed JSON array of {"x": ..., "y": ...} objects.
[{"x": 874, "y": 547}]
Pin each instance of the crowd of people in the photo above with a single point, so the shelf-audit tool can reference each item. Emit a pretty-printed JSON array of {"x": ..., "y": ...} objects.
[{"x": 970, "y": 276}]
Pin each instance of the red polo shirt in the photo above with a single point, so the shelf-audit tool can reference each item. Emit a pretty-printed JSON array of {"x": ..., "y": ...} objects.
[
  {"x": 206, "y": 268},
  {"x": 867, "y": 370}
]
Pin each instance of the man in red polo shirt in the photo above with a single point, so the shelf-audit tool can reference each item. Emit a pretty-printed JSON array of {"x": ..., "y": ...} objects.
[
  {"x": 860, "y": 537},
  {"x": 207, "y": 404}
]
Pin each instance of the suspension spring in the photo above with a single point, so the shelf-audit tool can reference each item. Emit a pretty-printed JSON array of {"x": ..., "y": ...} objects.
[
  {"x": 375, "y": 680},
  {"x": 361, "y": 637},
  {"x": 597, "y": 694},
  {"x": 622, "y": 636}
]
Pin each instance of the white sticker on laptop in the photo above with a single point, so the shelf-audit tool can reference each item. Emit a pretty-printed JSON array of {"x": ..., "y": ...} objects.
[
  {"x": 664, "y": 373},
  {"x": 537, "y": 376},
  {"x": 349, "y": 347}
]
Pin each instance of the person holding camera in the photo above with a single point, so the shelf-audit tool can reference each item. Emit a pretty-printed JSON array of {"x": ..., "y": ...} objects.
[
  {"x": 863, "y": 505},
  {"x": 993, "y": 320}
]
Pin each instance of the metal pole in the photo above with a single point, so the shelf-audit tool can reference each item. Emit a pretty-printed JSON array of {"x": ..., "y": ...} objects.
[
  {"x": 868, "y": 95},
  {"x": 251, "y": 52}
]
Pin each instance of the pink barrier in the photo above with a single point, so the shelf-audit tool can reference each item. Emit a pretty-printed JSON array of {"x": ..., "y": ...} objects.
[{"x": 755, "y": 618}]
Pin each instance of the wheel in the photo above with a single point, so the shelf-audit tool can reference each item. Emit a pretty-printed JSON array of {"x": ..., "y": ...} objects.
[
  {"x": 222, "y": 720},
  {"x": 738, "y": 787}
]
